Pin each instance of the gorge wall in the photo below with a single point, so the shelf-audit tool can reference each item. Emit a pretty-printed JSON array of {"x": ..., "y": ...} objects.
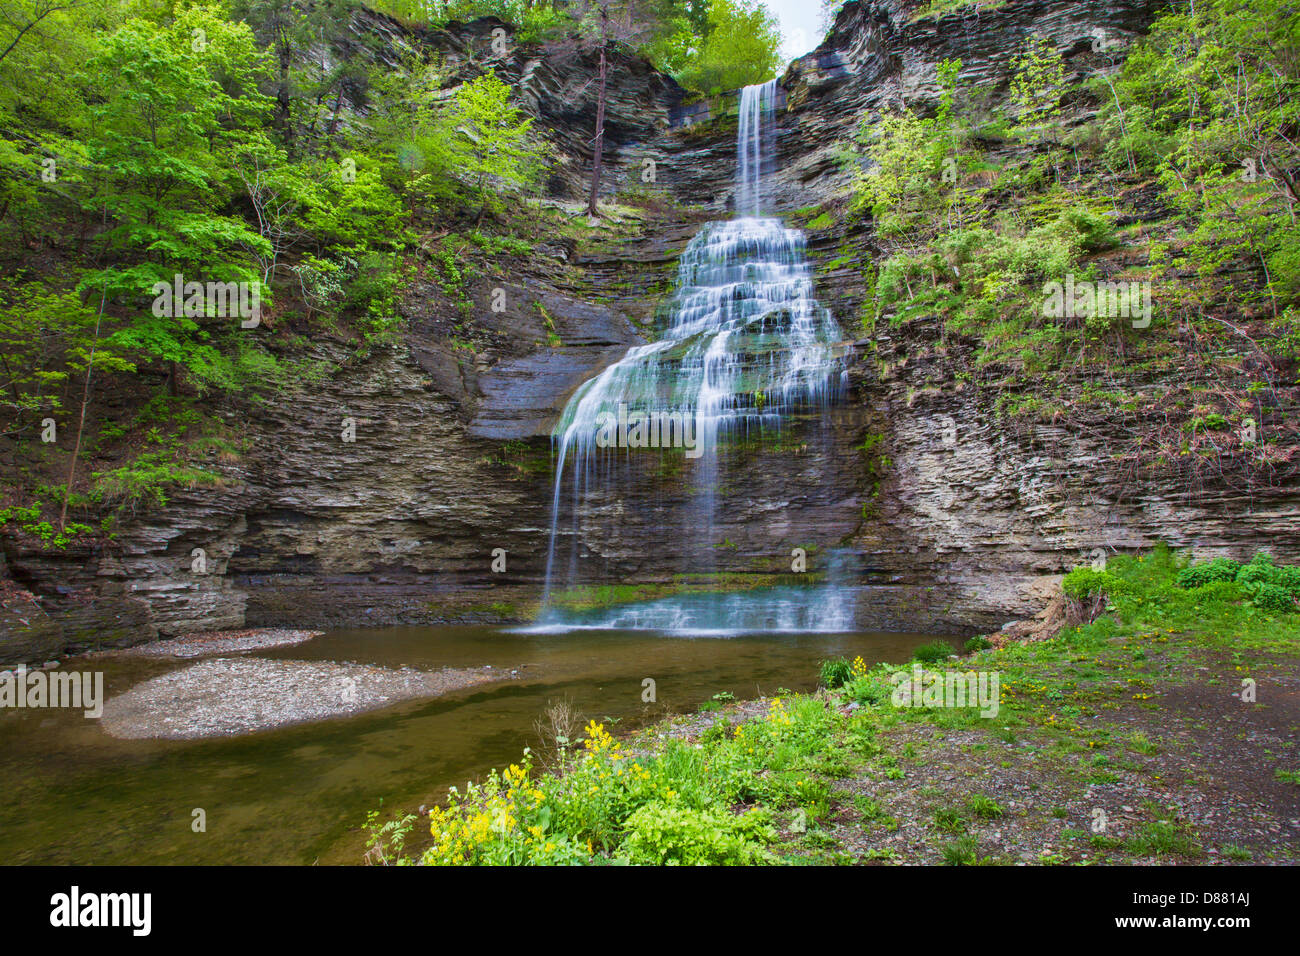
[{"x": 968, "y": 526}]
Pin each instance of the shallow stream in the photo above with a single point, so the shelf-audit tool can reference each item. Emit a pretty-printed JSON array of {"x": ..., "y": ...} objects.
[{"x": 73, "y": 794}]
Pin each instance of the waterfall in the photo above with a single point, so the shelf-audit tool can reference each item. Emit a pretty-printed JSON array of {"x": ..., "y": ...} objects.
[
  {"x": 746, "y": 345},
  {"x": 753, "y": 145}
]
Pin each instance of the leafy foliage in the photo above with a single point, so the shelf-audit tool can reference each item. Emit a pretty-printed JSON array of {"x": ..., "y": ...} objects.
[
  {"x": 1270, "y": 587},
  {"x": 1224, "y": 149},
  {"x": 1199, "y": 575},
  {"x": 740, "y": 48},
  {"x": 836, "y": 671},
  {"x": 603, "y": 804},
  {"x": 487, "y": 140},
  {"x": 659, "y": 833},
  {"x": 1086, "y": 582},
  {"x": 211, "y": 142}
]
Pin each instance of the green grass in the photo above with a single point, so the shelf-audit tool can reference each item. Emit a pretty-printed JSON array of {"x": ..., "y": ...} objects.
[
  {"x": 1163, "y": 838},
  {"x": 933, "y": 652},
  {"x": 984, "y": 807},
  {"x": 962, "y": 851},
  {"x": 1140, "y": 743},
  {"x": 949, "y": 821}
]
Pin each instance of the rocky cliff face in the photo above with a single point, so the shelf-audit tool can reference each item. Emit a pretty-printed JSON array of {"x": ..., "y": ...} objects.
[
  {"x": 976, "y": 517},
  {"x": 397, "y": 525},
  {"x": 968, "y": 526}
]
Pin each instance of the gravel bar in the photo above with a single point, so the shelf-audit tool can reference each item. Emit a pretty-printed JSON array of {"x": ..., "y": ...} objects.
[
  {"x": 228, "y": 696},
  {"x": 215, "y": 643}
]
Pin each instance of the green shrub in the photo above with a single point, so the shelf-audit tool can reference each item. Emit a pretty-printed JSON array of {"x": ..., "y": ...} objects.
[
  {"x": 27, "y": 515},
  {"x": 871, "y": 690},
  {"x": 144, "y": 481},
  {"x": 372, "y": 294},
  {"x": 1199, "y": 575},
  {"x": 1259, "y": 572},
  {"x": 720, "y": 731},
  {"x": 32, "y": 523},
  {"x": 1085, "y": 582},
  {"x": 1272, "y": 597},
  {"x": 1229, "y": 592},
  {"x": 1095, "y": 232},
  {"x": 977, "y": 644},
  {"x": 661, "y": 833},
  {"x": 1289, "y": 578},
  {"x": 1270, "y": 587}
]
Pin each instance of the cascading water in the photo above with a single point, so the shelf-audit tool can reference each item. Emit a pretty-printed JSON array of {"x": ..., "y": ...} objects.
[
  {"x": 753, "y": 140},
  {"x": 746, "y": 345}
]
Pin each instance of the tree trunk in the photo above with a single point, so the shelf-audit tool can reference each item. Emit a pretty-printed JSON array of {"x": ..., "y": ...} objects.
[
  {"x": 283, "y": 104},
  {"x": 81, "y": 425},
  {"x": 338, "y": 102},
  {"x": 599, "y": 148}
]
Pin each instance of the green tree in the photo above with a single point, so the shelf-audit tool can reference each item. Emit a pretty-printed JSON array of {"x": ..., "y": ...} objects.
[
  {"x": 487, "y": 143},
  {"x": 1210, "y": 102},
  {"x": 914, "y": 165},
  {"x": 1037, "y": 83},
  {"x": 42, "y": 113},
  {"x": 308, "y": 86},
  {"x": 741, "y": 48},
  {"x": 177, "y": 100},
  {"x": 46, "y": 338}
]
